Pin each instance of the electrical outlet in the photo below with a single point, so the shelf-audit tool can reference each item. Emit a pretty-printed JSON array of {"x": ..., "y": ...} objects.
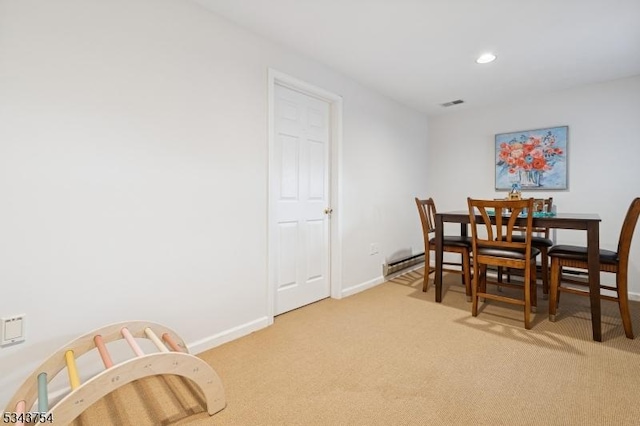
[
  {"x": 12, "y": 329},
  {"x": 374, "y": 249}
]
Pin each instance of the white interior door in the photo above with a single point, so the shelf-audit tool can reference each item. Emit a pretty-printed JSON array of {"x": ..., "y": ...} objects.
[{"x": 300, "y": 193}]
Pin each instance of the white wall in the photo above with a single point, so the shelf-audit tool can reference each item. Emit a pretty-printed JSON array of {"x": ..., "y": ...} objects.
[
  {"x": 603, "y": 149},
  {"x": 133, "y": 167}
]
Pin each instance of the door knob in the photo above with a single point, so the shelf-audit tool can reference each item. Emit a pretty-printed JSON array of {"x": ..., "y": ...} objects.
[{"x": 328, "y": 210}]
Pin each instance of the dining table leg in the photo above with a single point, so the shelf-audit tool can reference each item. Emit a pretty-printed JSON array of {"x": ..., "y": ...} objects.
[
  {"x": 593, "y": 260},
  {"x": 438, "y": 273}
]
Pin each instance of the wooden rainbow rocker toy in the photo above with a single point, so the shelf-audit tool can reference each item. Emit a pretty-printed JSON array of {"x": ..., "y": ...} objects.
[{"x": 173, "y": 358}]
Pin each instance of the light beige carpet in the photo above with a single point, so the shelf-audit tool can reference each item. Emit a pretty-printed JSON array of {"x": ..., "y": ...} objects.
[{"x": 392, "y": 356}]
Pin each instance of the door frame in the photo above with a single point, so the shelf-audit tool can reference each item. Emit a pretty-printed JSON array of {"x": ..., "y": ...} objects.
[{"x": 335, "y": 184}]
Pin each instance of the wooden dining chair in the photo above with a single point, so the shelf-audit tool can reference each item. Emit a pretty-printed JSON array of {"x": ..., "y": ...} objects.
[
  {"x": 493, "y": 227},
  {"x": 451, "y": 244},
  {"x": 540, "y": 240},
  {"x": 616, "y": 262}
]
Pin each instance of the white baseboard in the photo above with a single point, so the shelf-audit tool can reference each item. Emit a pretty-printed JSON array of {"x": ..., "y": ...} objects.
[
  {"x": 377, "y": 281},
  {"x": 228, "y": 335},
  {"x": 346, "y": 292}
]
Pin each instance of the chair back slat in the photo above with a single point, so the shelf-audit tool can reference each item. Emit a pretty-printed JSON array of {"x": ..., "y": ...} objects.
[
  {"x": 498, "y": 220},
  {"x": 626, "y": 233},
  {"x": 427, "y": 210}
]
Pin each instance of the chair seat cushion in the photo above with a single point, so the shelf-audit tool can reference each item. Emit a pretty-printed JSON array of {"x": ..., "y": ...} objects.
[
  {"x": 535, "y": 241},
  {"x": 509, "y": 254},
  {"x": 453, "y": 241},
  {"x": 580, "y": 253}
]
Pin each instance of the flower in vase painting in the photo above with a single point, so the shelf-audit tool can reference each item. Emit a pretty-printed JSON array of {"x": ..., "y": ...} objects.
[{"x": 529, "y": 158}]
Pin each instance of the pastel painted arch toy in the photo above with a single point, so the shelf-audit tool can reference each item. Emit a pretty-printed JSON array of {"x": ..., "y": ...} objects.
[{"x": 172, "y": 358}]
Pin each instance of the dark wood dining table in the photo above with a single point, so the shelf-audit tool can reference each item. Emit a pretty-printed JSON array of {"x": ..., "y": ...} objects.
[{"x": 580, "y": 221}]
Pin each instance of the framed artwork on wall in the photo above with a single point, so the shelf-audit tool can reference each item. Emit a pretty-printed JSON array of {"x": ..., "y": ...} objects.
[{"x": 532, "y": 159}]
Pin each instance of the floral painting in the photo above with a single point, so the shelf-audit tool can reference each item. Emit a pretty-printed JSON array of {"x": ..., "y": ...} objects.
[{"x": 532, "y": 159}]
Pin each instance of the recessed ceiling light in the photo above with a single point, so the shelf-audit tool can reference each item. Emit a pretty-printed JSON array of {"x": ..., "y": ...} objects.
[{"x": 485, "y": 58}]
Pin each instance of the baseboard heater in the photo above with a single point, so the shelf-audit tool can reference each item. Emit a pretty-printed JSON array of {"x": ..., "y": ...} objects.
[{"x": 401, "y": 264}]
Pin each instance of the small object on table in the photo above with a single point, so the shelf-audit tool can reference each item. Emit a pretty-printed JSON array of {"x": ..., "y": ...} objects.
[{"x": 515, "y": 193}]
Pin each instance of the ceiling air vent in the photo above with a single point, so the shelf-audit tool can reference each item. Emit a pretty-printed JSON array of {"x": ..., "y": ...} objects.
[{"x": 452, "y": 103}]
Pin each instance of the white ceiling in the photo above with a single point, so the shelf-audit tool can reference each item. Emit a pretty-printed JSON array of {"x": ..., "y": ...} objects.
[{"x": 422, "y": 52}]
